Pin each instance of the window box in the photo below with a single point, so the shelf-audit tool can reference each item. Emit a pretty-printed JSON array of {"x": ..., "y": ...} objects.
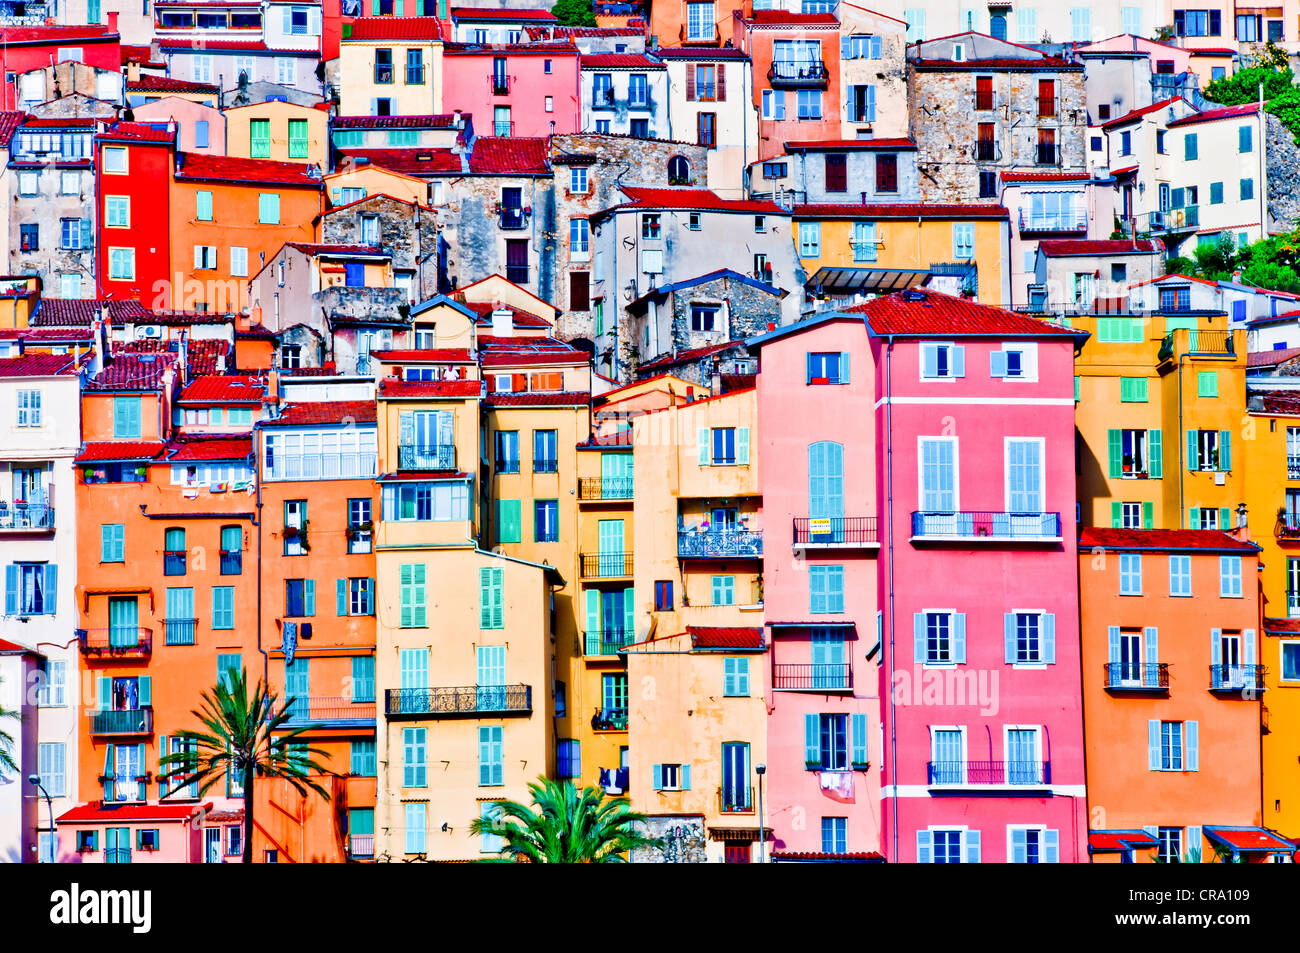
[{"x": 860, "y": 765}]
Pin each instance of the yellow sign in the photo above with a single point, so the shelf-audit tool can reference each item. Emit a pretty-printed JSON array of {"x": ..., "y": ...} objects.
[{"x": 819, "y": 525}]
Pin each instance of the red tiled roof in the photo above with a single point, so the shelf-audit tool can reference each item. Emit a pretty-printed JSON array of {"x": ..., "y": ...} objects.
[
  {"x": 97, "y": 813},
  {"x": 423, "y": 476},
  {"x": 539, "y": 399},
  {"x": 683, "y": 357},
  {"x": 12, "y": 35},
  {"x": 1008, "y": 63},
  {"x": 536, "y": 33},
  {"x": 410, "y": 161},
  {"x": 1135, "y": 114},
  {"x": 167, "y": 84},
  {"x": 786, "y": 18},
  {"x": 559, "y": 47},
  {"x": 725, "y": 637},
  {"x": 345, "y": 251},
  {"x": 822, "y": 145},
  {"x": 693, "y": 199},
  {"x": 136, "y": 54},
  {"x": 9, "y": 121},
  {"x": 495, "y": 155},
  {"x": 440, "y": 121},
  {"x": 394, "y": 28},
  {"x": 1066, "y": 247},
  {"x": 1271, "y": 358},
  {"x": 393, "y": 387},
  {"x": 1223, "y": 112},
  {"x": 898, "y": 210},
  {"x": 201, "y": 354},
  {"x": 1210, "y": 540},
  {"x": 47, "y": 335},
  {"x": 254, "y": 331},
  {"x": 1045, "y": 176},
  {"x": 324, "y": 412},
  {"x": 224, "y": 389},
  {"x": 1285, "y": 626},
  {"x": 931, "y": 312},
  {"x": 436, "y": 355},
  {"x": 136, "y": 132},
  {"x": 37, "y": 365},
  {"x": 492, "y": 13},
  {"x": 60, "y": 121},
  {"x": 505, "y": 358},
  {"x": 703, "y": 53},
  {"x": 213, "y": 448},
  {"x": 13, "y": 648},
  {"x": 132, "y": 372},
  {"x": 101, "y": 451},
  {"x": 523, "y": 319},
  {"x": 251, "y": 172},
  {"x": 1120, "y": 840},
  {"x": 620, "y": 61},
  {"x": 65, "y": 312}
]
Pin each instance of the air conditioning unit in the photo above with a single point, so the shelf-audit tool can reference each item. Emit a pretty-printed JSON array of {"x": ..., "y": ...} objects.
[
  {"x": 149, "y": 331},
  {"x": 1157, "y": 219}
]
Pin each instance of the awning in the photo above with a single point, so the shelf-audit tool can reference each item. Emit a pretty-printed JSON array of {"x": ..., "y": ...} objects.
[
  {"x": 820, "y": 857},
  {"x": 850, "y": 280},
  {"x": 820, "y": 624},
  {"x": 96, "y": 812},
  {"x": 1248, "y": 839},
  {"x": 1103, "y": 842},
  {"x": 748, "y": 834}
]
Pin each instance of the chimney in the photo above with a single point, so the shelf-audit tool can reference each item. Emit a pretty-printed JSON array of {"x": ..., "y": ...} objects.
[
  {"x": 112, "y": 21},
  {"x": 503, "y": 323},
  {"x": 184, "y": 351}
]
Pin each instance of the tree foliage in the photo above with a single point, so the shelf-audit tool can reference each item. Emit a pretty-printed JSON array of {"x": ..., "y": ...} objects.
[
  {"x": 1272, "y": 263},
  {"x": 7, "y": 762},
  {"x": 574, "y": 12},
  {"x": 1270, "y": 71}
]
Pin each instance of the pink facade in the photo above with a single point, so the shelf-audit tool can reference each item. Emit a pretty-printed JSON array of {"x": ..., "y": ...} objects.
[
  {"x": 133, "y": 834},
  {"x": 815, "y": 423},
  {"x": 983, "y": 728},
  {"x": 188, "y": 116},
  {"x": 522, "y": 91}
]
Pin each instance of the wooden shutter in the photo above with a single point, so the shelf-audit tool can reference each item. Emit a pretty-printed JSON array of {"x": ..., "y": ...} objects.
[
  {"x": 1153, "y": 744},
  {"x": 1155, "y": 454},
  {"x": 858, "y": 738},
  {"x": 1009, "y": 637},
  {"x": 690, "y": 81},
  {"x": 579, "y": 291},
  {"x": 485, "y": 597},
  {"x": 919, "y": 647},
  {"x": 1191, "y": 747},
  {"x": 721, "y": 83}
]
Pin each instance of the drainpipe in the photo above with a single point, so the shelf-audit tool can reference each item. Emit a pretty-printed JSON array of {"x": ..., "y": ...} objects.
[
  {"x": 1263, "y": 170},
  {"x": 889, "y": 511},
  {"x": 1182, "y": 442},
  {"x": 257, "y": 522}
]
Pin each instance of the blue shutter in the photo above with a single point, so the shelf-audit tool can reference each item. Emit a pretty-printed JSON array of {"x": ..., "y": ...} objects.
[
  {"x": 51, "y": 588},
  {"x": 1051, "y": 846},
  {"x": 997, "y": 364},
  {"x": 844, "y": 367},
  {"x": 1019, "y": 846},
  {"x": 686, "y": 777},
  {"x": 742, "y": 445},
  {"x": 1049, "y": 637},
  {"x": 1191, "y": 754},
  {"x": 1009, "y": 637},
  {"x": 1153, "y": 744},
  {"x": 1151, "y": 653},
  {"x": 657, "y": 777},
  {"x": 812, "y": 753},
  {"x": 858, "y": 738},
  {"x": 1112, "y": 644},
  {"x": 959, "y": 638},
  {"x": 957, "y": 359},
  {"x": 341, "y": 596},
  {"x": 923, "y": 850},
  {"x": 1225, "y": 451},
  {"x": 145, "y": 693},
  {"x": 808, "y": 365},
  {"x": 309, "y": 597},
  {"x": 919, "y": 647},
  {"x": 972, "y": 847}
]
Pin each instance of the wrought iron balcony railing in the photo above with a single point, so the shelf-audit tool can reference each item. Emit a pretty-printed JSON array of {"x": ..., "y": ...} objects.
[
  {"x": 962, "y": 773},
  {"x": 818, "y": 677},
  {"x": 808, "y": 73},
  {"x": 232, "y": 563},
  {"x": 1236, "y": 678},
  {"x": 1137, "y": 676},
  {"x": 330, "y": 710},
  {"x": 174, "y": 563},
  {"x": 605, "y": 488},
  {"x": 137, "y": 721},
  {"x": 835, "y": 531},
  {"x": 513, "y": 217},
  {"x": 987, "y": 524},
  {"x": 119, "y": 641},
  {"x": 26, "y": 516},
  {"x": 607, "y": 641},
  {"x": 1292, "y": 468},
  {"x": 451, "y": 702},
  {"x": 361, "y": 845},
  {"x": 735, "y": 799},
  {"x": 117, "y": 855},
  {"x": 426, "y": 456},
  {"x": 731, "y": 543},
  {"x": 1067, "y": 222},
  {"x": 606, "y": 565},
  {"x": 180, "y": 631}
]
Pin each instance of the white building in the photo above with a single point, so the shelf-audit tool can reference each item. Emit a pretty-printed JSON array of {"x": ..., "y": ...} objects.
[{"x": 624, "y": 94}]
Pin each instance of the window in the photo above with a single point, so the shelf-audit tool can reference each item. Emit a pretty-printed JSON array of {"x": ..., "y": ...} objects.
[
  {"x": 983, "y": 93},
  {"x": 864, "y": 241},
  {"x": 1180, "y": 575},
  {"x": 829, "y": 367},
  {"x": 546, "y": 518},
  {"x": 115, "y": 160},
  {"x": 1014, "y": 362},
  {"x": 826, "y": 589},
  {"x": 724, "y": 590},
  {"x": 809, "y": 104},
  {"x": 300, "y": 598},
  {"x": 835, "y": 835},
  {"x": 491, "y": 757},
  {"x": 52, "y": 765},
  {"x": 491, "y": 598},
  {"x": 1189, "y": 146},
  {"x": 1130, "y": 574},
  {"x": 29, "y": 408},
  {"x": 416, "y": 826},
  {"x": 259, "y": 138},
  {"x": 1172, "y": 745},
  {"x": 383, "y": 66},
  {"x": 663, "y": 595},
  {"x": 223, "y": 607},
  {"x": 578, "y": 238},
  {"x": 650, "y": 227},
  {"x": 238, "y": 262},
  {"x": 810, "y": 239},
  {"x": 578, "y": 179},
  {"x": 963, "y": 241},
  {"x": 886, "y": 172},
  {"x": 723, "y": 443},
  {"x": 298, "y": 141},
  {"x": 704, "y": 317},
  {"x": 507, "y": 451},
  {"x": 117, "y": 211},
  {"x": 826, "y": 742},
  {"x": 52, "y": 684},
  {"x": 126, "y": 416},
  {"x": 939, "y": 637},
  {"x": 1230, "y": 577},
  {"x": 545, "y": 451},
  {"x": 735, "y": 677},
  {"x": 29, "y": 237},
  {"x": 1290, "y": 659},
  {"x": 268, "y": 208},
  {"x": 1209, "y": 450},
  {"x": 203, "y": 206},
  {"x": 1029, "y": 638},
  {"x": 414, "y": 760},
  {"x": 1247, "y": 189},
  {"x": 700, "y": 21}
]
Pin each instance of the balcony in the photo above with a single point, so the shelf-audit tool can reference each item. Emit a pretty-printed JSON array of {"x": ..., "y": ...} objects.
[
  {"x": 1137, "y": 677},
  {"x": 116, "y": 642},
  {"x": 500, "y": 84},
  {"x": 503, "y": 128},
  {"x": 735, "y": 800},
  {"x": 1292, "y": 468},
  {"x": 706, "y": 33},
  {"x": 331, "y": 712},
  {"x": 1007, "y": 774},
  {"x": 1179, "y": 219},
  {"x": 605, "y": 488},
  {"x": 606, "y": 565},
  {"x": 426, "y": 456},
  {"x": 26, "y": 516},
  {"x": 609, "y": 719},
  {"x": 607, "y": 641},
  {"x": 514, "y": 217},
  {"x": 723, "y": 544},
  {"x": 818, "y": 677},
  {"x": 174, "y": 563},
  {"x": 1236, "y": 678},
  {"x": 232, "y": 563},
  {"x": 988, "y": 526},
  {"x": 1047, "y": 155},
  {"x": 122, "y": 723},
  {"x": 1208, "y": 343},
  {"x": 1053, "y": 224},
  {"x": 470, "y": 701},
  {"x": 517, "y": 274},
  {"x": 117, "y": 855},
  {"x": 180, "y": 631},
  {"x": 603, "y": 99},
  {"x": 836, "y": 532},
  {"x": 803, "y": 74},
  {"x": 361, "y": 846}
]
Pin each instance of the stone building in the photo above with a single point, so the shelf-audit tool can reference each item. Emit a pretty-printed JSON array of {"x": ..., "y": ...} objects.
[
  {"x": 406, "y": 230},
  {"x": 981, "y": 106},
  {"x": 65, "y": 79},
  {"x": 588, "y": 170}
]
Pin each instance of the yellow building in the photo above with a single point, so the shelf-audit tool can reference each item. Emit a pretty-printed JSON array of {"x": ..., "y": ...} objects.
[
  {"x": 285, "y": 132},
  {"x": 1280, "y": 648},
  {"x": 391, "y": 66},
  {"x": 1160, "y": 400},
  {"x": 847, "y": 250},
  {"x": 361, "y": 181}
]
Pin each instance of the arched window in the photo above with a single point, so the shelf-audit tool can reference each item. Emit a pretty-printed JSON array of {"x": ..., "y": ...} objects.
[{"x": 679, "y": 171}]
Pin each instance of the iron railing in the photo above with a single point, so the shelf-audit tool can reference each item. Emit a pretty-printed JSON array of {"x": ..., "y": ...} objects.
[
  {"x": 1293, "y": 468},
  {"x": 546, "y": 465},
  {"x": 1137, "y": 676},
  {"x": 607, "y": 641},
  {"x": 602, "y": 99},
  {"x": 26, "y": 516},
  {"x": 1046, "y": 154},
  {"x": 440, "y": 456},
  {"x": 517, "y": 274},
  {"x": 735, "y": 799},
  {"x": 232, "y": 563},
  {"x": 972, "y": 524},
  {"x": 500, "y": 84},
  {"x": 330, "y": 710},
  {"x": 471, "y": 700},
  {"x": 605, "y": 488},
  {"x": 988, "y": 772},
  {"x": 173, "y": 563},
  {"x": 1236, "y": 678},
  {"x": 180, "y": 631},
  {"x": 137, "y": 721},
  {"x": 361, "y": 845},
  {"x": 819, "y": 677},
  {"x": 798, "y": 73},
  {"x": 719, "y": 544},
  {"x": 1069, "y": 222},
  {"x": 117, "y": 855},
  {"x": 513, "y": 217},
  {"x": 606, "y": 565},
  {"x": 118, "y": 641},
  {"x": 836, "y": 530}
]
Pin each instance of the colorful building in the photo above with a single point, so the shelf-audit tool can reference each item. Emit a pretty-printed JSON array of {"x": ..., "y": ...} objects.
[{"x": 515, "y": 90}]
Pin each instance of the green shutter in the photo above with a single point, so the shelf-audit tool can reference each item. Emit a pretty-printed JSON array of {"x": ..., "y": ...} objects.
[
  {"x": 703, "y": 439},
  {"x": 485, "y": 598},
  {"x": 1225, "y": 519},
  {"x": 1148, "y": 515},
  {"x": 309, "y": 597},
  {"x": 593, "y": 613},
  {"x": 1225, "y": 450},
  {"x": 629, "y": 614},
  {"x": 1116, "y": 515},
  {"x": 1114, "y": 442},
  {"x": 509, "y": 522},
  {"x": 419, "y": 609},
  {"x": 1191, "y": 451},
  {"x": 145, "y": 693},
  {"x": 812, "y": 744},
  {"x": 1155, "y": 455},
  {"x": 405, "y": 596},
  {"x": 1194, "y": 518},
  {"x": 858, "y": 738},
  {"x": 341, "y": 596},
  {"x": 742, "y": 445}
]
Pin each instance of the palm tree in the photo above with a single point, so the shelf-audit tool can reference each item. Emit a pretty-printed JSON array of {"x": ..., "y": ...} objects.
[
  {"x": 567, "y": 826},
  {"x": 7, "y": 762},
  {"x": 245, "y": 739}
]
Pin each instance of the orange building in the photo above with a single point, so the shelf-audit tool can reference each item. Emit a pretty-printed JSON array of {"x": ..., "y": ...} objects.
[
  {"x": 1171, "y": 695},
  {"x": 229, "y": 217}
]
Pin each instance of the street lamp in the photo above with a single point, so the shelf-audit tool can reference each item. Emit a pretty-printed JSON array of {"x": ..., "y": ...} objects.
[
  {"x": 760, "y": 770},
  {"x": 35, "y": 780}
]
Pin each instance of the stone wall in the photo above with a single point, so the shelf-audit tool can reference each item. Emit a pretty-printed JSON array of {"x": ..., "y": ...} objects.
[
  {"x": 408, "y": 232},
  {"x": 682, "y": 841},
  {"x": 1283, "y": 160}
]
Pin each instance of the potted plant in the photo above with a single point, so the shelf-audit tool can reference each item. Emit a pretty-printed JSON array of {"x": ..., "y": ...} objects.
[
  {"x": 812, "y": 765},
  {"x": 1128, "y": 463}
]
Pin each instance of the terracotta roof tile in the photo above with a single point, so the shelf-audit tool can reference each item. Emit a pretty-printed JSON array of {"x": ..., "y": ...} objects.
[
  {"x": 931, "y": 312},
  {"x": 96, "y": 812},
  {"x": 684, "y": 357},
  {"x": 37, "y": 365},
  {"x": 1013, "y": 176},
  {"x": 324, "y": 412},
  {"x": 1135, "y": 114},
  {"x": 133, "y": 372},
  {"x": 899, "y": 210},
  {"x": 224, "y": 389},
  {"x": 392, "y": 387},
  {"x": 1208, "y": 539},
  {"x": 394, "y": 28},
  {"x": 314, "y": 248},
  {"x": 1282, "y": 625},
  {"x": 1120, "y": 840},
  {"x": 441, "y": 121},
  {"x": 438, "y": 355},
  {"x": 136, "y": 132},
  {"x": 637, "y": 61},
  {"x": 523, "y": 14},
  {"x": 167, "y": 84},
  {"x": 210, "y": 448},
  {"x": 66, "y": 312},
  {"x": 823, "y": 145},
  {"x": 787, "y": 18},
  {"x": 10, "y": 35},
  {"x": 494, "y": 155},
  {"x": 725, "y": 637},
  {"x": 539, "y": 399},
  {"x": 694, "y": 199},
  {"x": 10, "y": 120},
  {"x": 817, "y": 855},
  {"x": 1066, "y": 247},
  {"x": 101, "y": 451},
  {"x": 522, "y": 319},
  {"x": 1210, "y": 115},
  {"x": 410, "y": 161},
  {"x": 251, "y": 172}
]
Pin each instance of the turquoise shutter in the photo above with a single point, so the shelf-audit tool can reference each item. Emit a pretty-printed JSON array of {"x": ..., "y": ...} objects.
[
  {"x": 919, "y": 647},
  {"x": 11, "y": 589},
  {"x": 1148, "y": 515},
  {"x": 957, "y": 356},
  {"x": 972, "y": 847},
  {"x": 404, "y": 594},
  {"x": 106, "y": 543},
  {"x": 923, "y": 852},
  {"x": 1194, "y": 518},
  {"x": 108, "y": 772},
  {"x": 1116, "y": 515},
  {"x": 657, "y": 777},
  {"x": 959, "y": 638},
  {"x": 742, "y": 445},
  {"x": 1192, "y": 756},
  {"x": 686, "y": 777},
  {"x": 1009, "y": 637},
  {"x": 1215, "y": 636},
  {"x": 1019, "y": 846},
  {"x": 1151, "y": 654},
  {"x": 858, "y": 738},
  {"x": 1191, "y": 450},
  {"x": 703, "y": 439},
  {"x": 418, "y": 610},
  {"x": 1155, "y": 455},
  {"x": 309, "y": 597},
  {"x": 145, "y": 692},
  {"x": 729, "y": 676},
  {"x": 1225, "y": 449},
  {"x": 1049, "y": 638},
  {"x": 808, "y": 366},
  {"x": 593, "y": 612},
  {"x": 1051, "y": 846},
  {"x": 164, "y": 787},
  {"x": 812, "y": 745},
  {"x": 498, "y": 599},
  {"x": 341, "y": 596},
  {"x": 143, "y": 768},
  {"x": 629, "y": 614},
  {"x": 1225, "y": 518},
  {"x": 1114, "y": 441},
  {"x": 104, "y": 696},
  {"x": 1153, "y": 744},
  {"x": 485, "y": 598},
  {"x": 844, "y": 367}
]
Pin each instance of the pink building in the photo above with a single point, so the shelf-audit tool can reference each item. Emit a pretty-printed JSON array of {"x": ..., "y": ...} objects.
[
  {"x": 97, "y": 833},
  {"x": 513, "y": 90},
  {"x": 199, "y": 128},
  {"x": 815, "y": 397},
  {"x": 978, "y": 582}
]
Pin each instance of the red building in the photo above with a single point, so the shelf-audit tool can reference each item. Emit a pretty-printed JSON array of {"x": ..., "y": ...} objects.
[
  {"x": 27, "y": 48},
  {"x": 133, "y": 164}
]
